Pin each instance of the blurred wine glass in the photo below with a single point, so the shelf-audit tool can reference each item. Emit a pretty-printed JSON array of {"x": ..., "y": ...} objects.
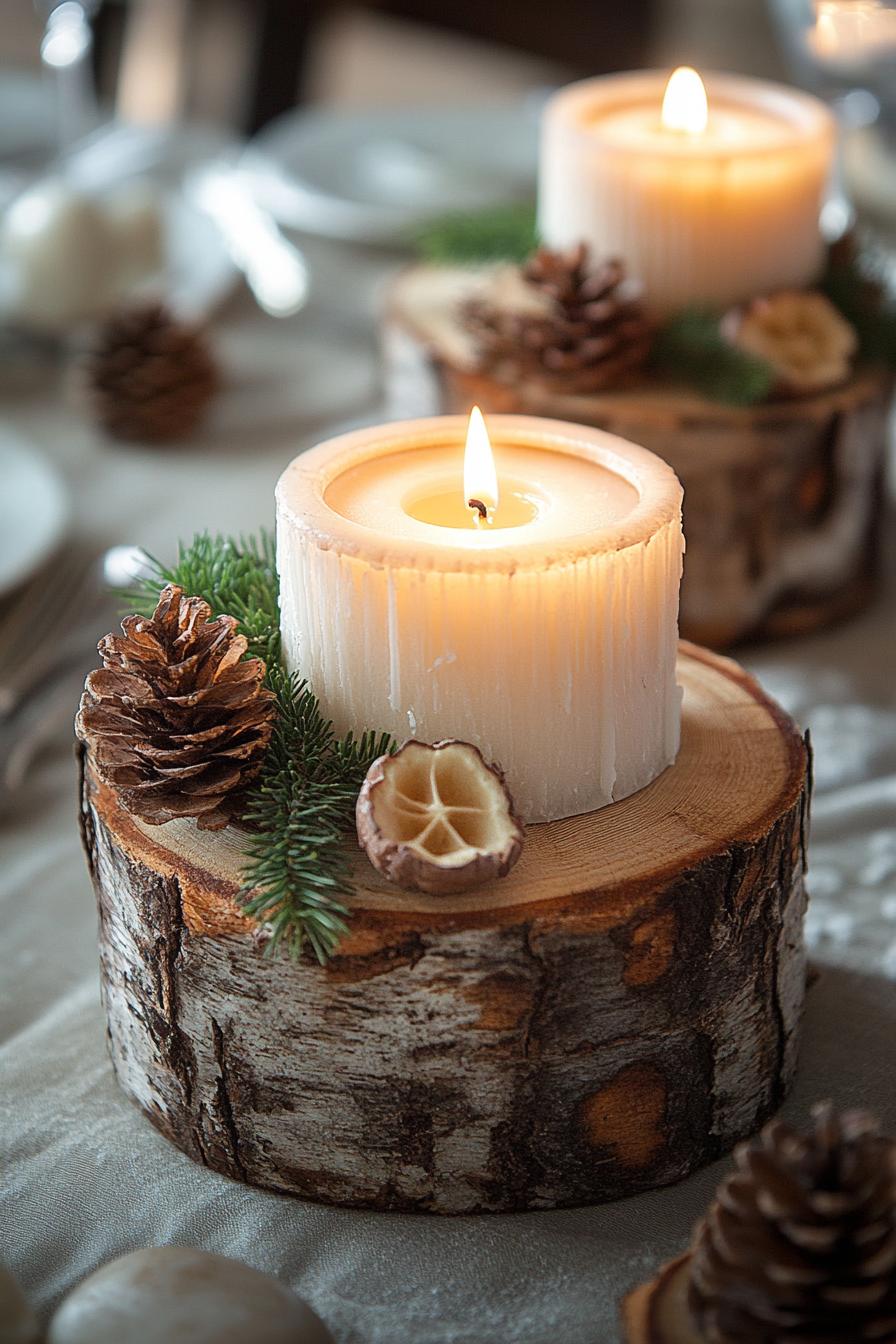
[
  {"x": 65, "y": 51},
  {"x": 845, "y": 50}
]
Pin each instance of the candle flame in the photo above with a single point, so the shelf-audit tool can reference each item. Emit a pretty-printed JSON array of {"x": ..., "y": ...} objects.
[
  {"x": 684, "y": 103},
  {"x": 480, "y": 476}
]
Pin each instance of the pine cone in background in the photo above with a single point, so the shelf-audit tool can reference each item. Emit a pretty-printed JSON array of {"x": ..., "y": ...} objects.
[
  {"x": 800, "y": 1244},
  {"x": 177, "y": 720},
  {"x": 579, "y": 329},
  {"x": 149, "y": 377}
]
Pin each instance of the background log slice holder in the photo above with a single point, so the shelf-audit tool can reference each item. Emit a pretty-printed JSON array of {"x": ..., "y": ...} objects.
[{"x": 782, "y": 501}]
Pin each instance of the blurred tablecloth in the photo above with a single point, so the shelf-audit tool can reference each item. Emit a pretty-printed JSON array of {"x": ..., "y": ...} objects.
[{"x": 85, "y": 1177}]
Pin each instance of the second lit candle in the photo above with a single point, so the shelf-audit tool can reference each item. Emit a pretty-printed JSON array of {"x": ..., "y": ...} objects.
[{"x": 709, "y": 203}]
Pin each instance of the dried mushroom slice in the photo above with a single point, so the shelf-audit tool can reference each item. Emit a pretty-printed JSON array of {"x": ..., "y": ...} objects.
[
  {"x": 438, "y": 819},
  {"x": 805, "y": 339}
]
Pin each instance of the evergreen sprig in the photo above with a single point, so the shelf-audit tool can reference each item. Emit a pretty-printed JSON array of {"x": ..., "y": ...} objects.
[
  {"x": 300, "y": 806},
  {"x": 857, "y": 285},
  {"x": 691, "y": 349},
  {"x": 236, "y": 577},
  {"x": 501, "y": 233}
]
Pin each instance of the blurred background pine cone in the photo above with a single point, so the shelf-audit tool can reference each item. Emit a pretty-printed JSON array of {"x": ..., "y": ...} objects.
[
  {"x": 580, "y": 328},
  {"x": 800, "y": 1243},
  {"x": 149, "y": 376}
]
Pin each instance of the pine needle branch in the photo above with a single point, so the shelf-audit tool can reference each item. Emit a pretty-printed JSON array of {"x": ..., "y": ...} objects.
[
  {"x": 691, "y": 349},
  {"x": 235, "y": 576},
  {"x": 300, "y": 806},
  {"x": 857, "y": 285}
]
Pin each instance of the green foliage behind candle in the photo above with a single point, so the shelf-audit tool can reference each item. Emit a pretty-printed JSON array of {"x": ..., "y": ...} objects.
[
  {"x": 503, "y": 233},
  {"x": 690, "y": 349}
]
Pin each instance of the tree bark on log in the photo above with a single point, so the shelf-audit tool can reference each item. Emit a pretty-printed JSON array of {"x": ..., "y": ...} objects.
[
  {"x": 782, "y": 501},
  {"x": 619, "y": 1010}
]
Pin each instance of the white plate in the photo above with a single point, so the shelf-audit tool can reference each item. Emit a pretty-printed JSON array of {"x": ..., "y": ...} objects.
[
  {"x": 34, "y": 510},
  {"x": 377, "y": 176}
]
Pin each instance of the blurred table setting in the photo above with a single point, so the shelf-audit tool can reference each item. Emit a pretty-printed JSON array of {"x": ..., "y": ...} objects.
[{"x": 256, "y": 257}]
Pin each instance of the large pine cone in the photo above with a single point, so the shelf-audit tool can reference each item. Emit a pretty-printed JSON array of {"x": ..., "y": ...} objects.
[
  {"x": 588, "y": 332},
  {"x": 177, "y": 720},
  {"x": 149, "y": 377},
  {"x": 800, "y": 1245}
]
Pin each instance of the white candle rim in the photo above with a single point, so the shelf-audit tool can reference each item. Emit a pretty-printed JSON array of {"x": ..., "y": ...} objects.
[
  {"x": 801, "y": 116},
  {"x": 302, "y": 487}
]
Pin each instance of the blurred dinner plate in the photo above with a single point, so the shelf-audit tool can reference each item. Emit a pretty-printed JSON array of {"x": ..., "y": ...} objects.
[
  {"x": 33, "y": 510},
  {"x": 377, "y": 176}
]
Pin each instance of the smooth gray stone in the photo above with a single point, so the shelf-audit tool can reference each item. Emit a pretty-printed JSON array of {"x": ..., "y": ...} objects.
[
  {"x": 18, "y": 1324},
  {"x": 169, "y": 1294}
]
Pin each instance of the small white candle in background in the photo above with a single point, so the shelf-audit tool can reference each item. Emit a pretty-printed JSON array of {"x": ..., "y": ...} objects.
[
  {"x": 529, "y": 605},
  {"x": 848, "y": 35},
  {"x": 67, "y": 255},
  {"x": 59, "y": 256},
  {"x": 710, "y": 197}
]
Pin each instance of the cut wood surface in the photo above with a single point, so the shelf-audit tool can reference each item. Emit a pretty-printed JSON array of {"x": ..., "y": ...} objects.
[
  {"x": 658, "y": 1312},
  {"x": 619, "y": 1010},
  {"x": 782, "y": 501}
]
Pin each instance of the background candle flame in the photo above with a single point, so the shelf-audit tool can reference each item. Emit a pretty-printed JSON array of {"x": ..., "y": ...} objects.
[
  {"x": 480, "y": 477},
  {"x": 684, "y": 102}
]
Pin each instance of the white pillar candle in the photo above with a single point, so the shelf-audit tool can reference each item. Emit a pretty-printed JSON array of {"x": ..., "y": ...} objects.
[
  {"x": 709, "y": 209},
  {"x": 849, "y": 37},
  {"x": 546, "y": 635}
]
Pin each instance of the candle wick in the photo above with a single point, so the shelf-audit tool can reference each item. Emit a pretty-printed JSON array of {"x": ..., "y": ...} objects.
[{"x": 480, "y": 509}]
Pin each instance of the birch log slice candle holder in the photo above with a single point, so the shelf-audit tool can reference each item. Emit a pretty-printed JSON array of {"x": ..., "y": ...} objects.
[
  {"x": 783, "y": 500},
  {"x": 620, "y": 1009}
]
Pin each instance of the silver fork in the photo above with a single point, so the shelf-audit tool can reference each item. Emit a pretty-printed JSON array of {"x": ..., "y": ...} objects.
[
  {"x": 42, "y": 709},
  {"x": 34, "y": 629}
]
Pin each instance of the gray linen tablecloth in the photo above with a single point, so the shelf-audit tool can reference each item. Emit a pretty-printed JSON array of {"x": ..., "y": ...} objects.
[{"x": 85, "y": 1177}]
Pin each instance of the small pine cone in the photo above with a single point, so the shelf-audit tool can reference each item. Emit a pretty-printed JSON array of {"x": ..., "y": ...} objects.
[
  {"x": 149, "y": 377},
  {"x": 581, "y": 331},
  {"x": 177, "y": 720},
  {"x": 800, "y": 1245}
]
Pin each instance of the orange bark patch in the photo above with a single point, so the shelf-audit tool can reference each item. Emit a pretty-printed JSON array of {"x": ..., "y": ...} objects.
[
  {"x": 365, "y": 952},
  {"x": 752, "y": 876},
  {"x": 626, "y": 1115},
  {"x": 211, "y": 911},
  {"x": 362, "y": 941},
  {"x": 651, "y": 948},
  {"x": 503, "y": 1002}
]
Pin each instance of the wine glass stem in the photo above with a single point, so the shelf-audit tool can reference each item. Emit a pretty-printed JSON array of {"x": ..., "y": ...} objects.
[{"x": 65, "y": 52}]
